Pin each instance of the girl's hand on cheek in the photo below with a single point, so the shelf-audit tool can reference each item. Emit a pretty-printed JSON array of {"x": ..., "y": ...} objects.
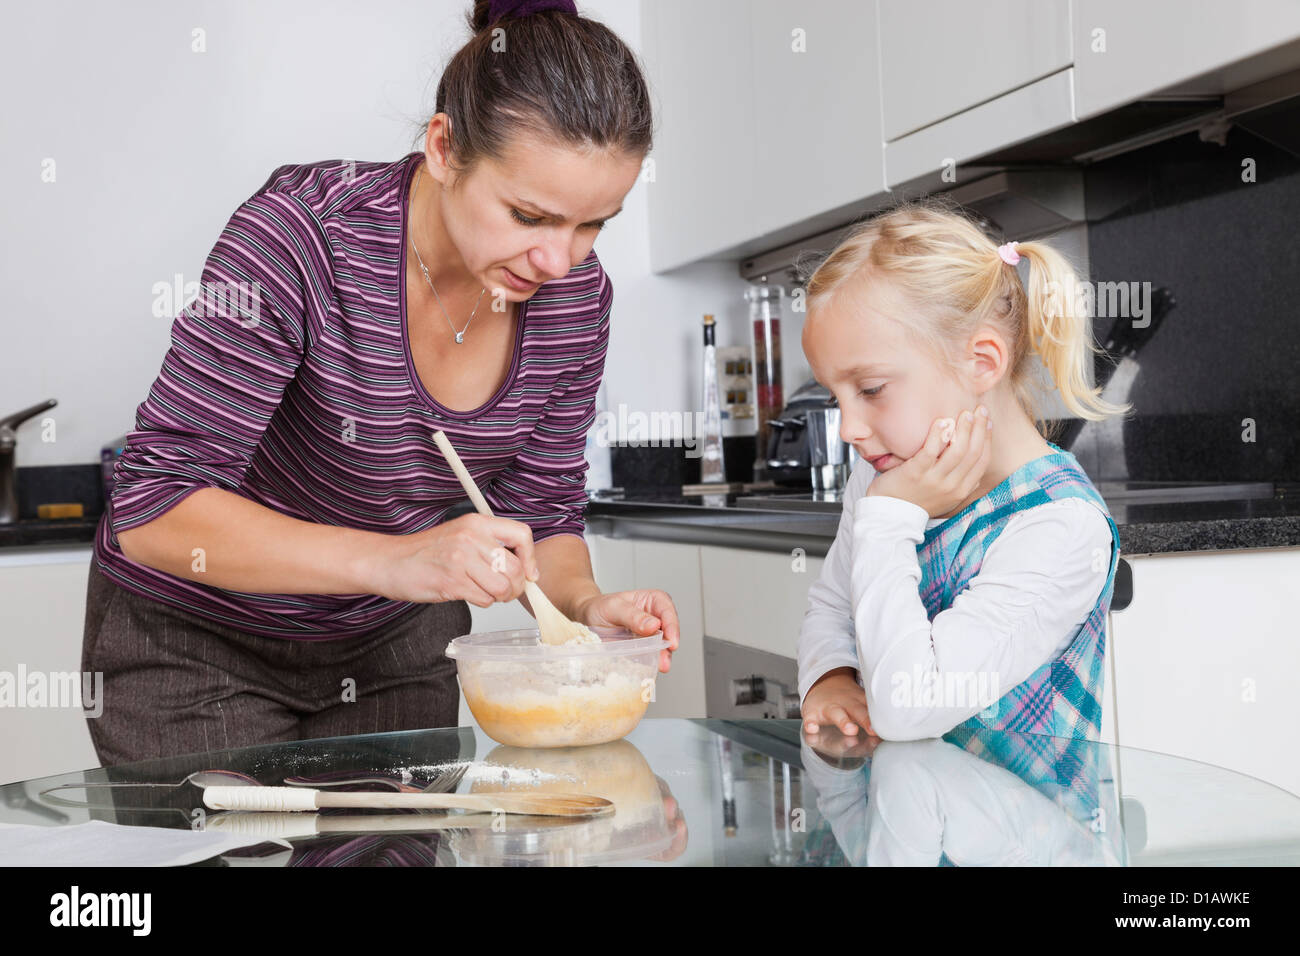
[{"x": 942, "y": 474}]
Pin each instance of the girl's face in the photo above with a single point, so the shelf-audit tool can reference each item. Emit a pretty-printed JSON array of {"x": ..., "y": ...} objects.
[
  {"x": 889, "y": 390},
  {"x": 535, "y": 215}
]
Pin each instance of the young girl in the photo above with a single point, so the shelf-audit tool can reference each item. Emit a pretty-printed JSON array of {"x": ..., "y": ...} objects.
[{"x": 970, "y": 577}]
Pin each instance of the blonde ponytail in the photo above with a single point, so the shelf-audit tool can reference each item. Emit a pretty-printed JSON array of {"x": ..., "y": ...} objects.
[{"x": 1060, "y": 331}]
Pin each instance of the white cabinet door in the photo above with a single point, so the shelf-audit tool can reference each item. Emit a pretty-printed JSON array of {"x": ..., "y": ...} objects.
[
  {"x": 767, "y": 117},
  {"x": 1124, "y": 51},
  {"x": 940, "y": 57},
  {"x": 1207, "y": 661},
  {"x": 675, "y": 568},
  {"x": 42, "y": 618},
  {"x": 756, "y": 598},
  {"x": 698, "y": 62},
  {"x": 920, "y": 158},
  {"x": 613, "y": 562},
  {"x": 816, "y": 78}
]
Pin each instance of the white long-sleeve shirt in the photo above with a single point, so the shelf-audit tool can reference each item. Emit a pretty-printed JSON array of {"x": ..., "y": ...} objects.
[{"x": 1037, "y": 584}]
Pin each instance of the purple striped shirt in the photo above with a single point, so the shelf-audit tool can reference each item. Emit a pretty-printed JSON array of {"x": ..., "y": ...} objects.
[{"x": 311, "y": 404}]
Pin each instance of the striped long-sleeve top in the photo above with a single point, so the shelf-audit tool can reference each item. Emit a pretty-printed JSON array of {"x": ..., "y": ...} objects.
[{"x": 290, "y": 381}]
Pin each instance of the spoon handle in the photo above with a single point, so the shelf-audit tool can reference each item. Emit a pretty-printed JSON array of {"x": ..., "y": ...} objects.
[
  {"x": 535, "y": 595},
  {"x": 466, "y": 479},
  {"x": 303, "y": 798}
]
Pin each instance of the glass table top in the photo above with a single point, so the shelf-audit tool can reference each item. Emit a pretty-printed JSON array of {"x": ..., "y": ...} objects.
[{"x": 714, "y": 793}]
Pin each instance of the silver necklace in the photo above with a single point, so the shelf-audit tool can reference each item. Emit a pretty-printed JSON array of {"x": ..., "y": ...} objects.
[{"x": 460, "y": 336}]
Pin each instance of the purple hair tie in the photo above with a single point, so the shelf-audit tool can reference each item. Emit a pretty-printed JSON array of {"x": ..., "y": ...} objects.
[{"x": 516, "y": 9}]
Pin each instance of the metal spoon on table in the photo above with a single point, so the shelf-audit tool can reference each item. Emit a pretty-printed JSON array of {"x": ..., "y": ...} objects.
[{"x": 200, "y": 778}]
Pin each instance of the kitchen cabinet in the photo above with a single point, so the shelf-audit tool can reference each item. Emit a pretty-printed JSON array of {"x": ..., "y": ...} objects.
[
  {"x": 42, "y": 618},
  {"x": 1207, "y": 661},
  {"x": 756, "y": 598},
  {"x": 613, "y": 562},
  {"x": 818, "y": 143},
  {"x": 750, "y": 100},
  {"x": 920, "y": 158},
  {"x": 1195, "y": 46},
  {"x": 675, "y": 568},
  {"x": 778, "y": 120},
  {"x": 701, "y": 194},
  {"x": 940, "y": 57}
]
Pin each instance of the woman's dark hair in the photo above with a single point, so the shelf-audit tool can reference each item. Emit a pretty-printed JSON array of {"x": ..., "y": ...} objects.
[{"x": 551, "y": 74}]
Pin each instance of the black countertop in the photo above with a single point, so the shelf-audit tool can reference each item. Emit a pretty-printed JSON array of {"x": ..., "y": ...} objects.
[
  {"x": 1143, "y": 528},
  {"x": 35, "y": 532},
  {"x": 729, "y": 521}
]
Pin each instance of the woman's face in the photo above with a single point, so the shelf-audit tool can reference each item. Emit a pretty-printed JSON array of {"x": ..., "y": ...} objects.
[
  {"x": 534, "y": 215},
  {"x": 889, "y": 391}
]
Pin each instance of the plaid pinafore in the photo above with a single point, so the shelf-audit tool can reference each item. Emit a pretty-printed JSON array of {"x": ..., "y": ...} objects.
[{"x": 1063, "y": 697}]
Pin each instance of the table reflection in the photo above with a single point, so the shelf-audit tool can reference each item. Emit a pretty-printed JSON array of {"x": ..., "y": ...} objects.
[
  {"x": 964, "y": 800},
  {"x": 686, "y": 792}
]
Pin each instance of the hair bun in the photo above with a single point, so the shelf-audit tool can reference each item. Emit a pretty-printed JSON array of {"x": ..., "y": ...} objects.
[{"x": 488, "y": 12}]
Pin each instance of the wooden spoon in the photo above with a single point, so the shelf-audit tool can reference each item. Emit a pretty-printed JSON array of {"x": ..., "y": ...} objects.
[
  {"x": 553, "y": 626},
  {"x": 303, "y": 798}
]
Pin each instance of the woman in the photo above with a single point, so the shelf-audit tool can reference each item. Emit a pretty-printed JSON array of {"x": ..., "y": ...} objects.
[{"x": 275, "y": 564}]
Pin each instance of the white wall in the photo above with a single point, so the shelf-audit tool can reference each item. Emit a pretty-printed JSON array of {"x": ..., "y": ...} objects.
[{"x": 155, "y": 146}]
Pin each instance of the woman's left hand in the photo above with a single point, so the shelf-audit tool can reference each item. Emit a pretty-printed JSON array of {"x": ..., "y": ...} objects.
[
  {"x": 939, "y": 478},
  {"x": 641, "y": 612}
]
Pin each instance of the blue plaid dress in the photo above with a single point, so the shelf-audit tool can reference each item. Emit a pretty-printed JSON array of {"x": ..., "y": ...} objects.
[{"x": 1063, "y": 697}]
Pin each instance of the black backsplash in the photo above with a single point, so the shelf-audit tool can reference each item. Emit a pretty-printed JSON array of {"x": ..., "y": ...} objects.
[
  {"x": 664, "y": 468},
  {"x": 1177, "y": 214},
  {"x": 38, "y": 485}
]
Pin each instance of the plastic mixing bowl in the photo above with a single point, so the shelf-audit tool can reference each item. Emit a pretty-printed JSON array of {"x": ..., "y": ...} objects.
[{"x": 527, "y": 694}]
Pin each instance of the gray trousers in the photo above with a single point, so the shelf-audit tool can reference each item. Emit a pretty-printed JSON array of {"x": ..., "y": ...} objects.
[{"x": 176, "y": 683}]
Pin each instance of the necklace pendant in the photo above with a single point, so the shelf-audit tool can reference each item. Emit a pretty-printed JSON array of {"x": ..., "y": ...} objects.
[{"x": 460, "y": 337}]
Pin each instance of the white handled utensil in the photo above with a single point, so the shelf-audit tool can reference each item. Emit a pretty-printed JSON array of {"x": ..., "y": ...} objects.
[
  {"x": 286, "y": 826},
  {"x": 552, "y": 625},
  {"x": 304, "y": 798}
]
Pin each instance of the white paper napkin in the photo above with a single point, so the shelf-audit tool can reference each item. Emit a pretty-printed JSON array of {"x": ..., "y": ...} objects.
[{"x": 99, "y": 843}]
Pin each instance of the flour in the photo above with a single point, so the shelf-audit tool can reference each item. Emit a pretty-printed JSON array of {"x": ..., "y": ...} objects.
[{"x": 586, "y": 636}]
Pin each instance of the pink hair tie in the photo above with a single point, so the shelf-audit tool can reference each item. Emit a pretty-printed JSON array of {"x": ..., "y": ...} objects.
[{"x": 1009, "y": 254}]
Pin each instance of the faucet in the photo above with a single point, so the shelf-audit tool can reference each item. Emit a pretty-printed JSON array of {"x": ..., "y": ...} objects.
[{"x": 8, "y": 441}]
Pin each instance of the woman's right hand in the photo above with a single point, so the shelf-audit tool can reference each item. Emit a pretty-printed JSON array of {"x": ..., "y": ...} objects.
[{"x": 462, "y": 559}]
